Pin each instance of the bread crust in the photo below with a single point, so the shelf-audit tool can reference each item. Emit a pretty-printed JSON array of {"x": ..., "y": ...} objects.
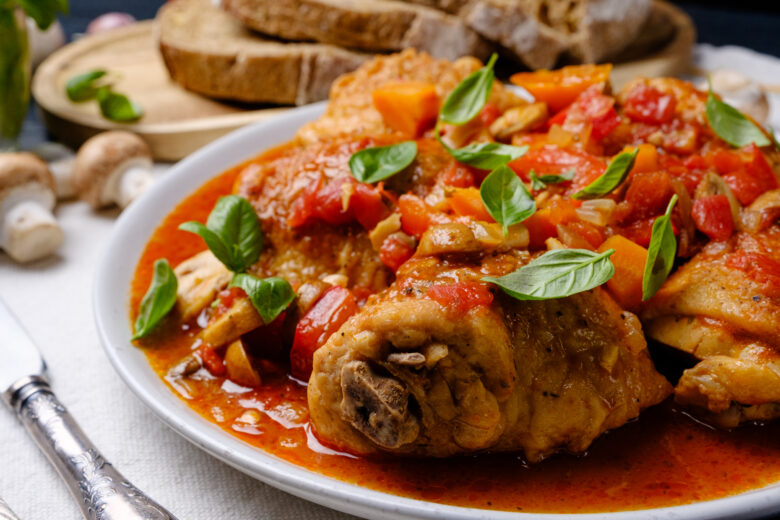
[
  {"x": 375, "y": 25},
  {"x": 207, "y": 51}
]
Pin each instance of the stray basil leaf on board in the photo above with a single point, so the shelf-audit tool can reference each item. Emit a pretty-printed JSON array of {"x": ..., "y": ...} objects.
[
  {"x": 731, "y": 125},
  {"x": 506, "y": 198},
  {"x": 660, "y": 253},
  {"x": 469, "y": 97},
  {"x": 380, "y": 162},
  {"x": 232, "y": 232},
  {"x": 557, "y": 274},
  {"x": 84, "y": 87},
  {"x": 487, "y": 156},
  {"x": 158, "y": 300},
  {"x": 269, "y": 296},
  {"x": 540, "y": 182},
  {"x": 117, "y": 107},
  {"x": 616, "y": 173}
]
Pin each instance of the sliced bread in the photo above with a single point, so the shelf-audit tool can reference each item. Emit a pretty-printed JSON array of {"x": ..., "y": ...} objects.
[
  {"x": 207, "y": 51},
  {"x": 377, "y": 25},
  {"x": 537, "y": 32}
]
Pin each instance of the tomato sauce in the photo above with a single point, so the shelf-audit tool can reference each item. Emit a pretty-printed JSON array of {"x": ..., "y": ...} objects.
[{"x": 663, "y": 458}]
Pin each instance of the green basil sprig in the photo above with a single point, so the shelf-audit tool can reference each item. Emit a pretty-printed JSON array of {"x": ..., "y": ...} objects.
[
  {"x": 616, "y": 173},
  {"x": 506, "y": 198},
  {"x": 487, "y": 156},
  {"x": 232, "y": 232},
  {"x": 731, "y": 125},
  {"x": 84, "y": 87},
  {"x": 113, "y": 105},
  {"x": 380, "y": 162},
  {"x": 557, "y": 274},
  {"x": 660, "y": 253},
  {"x": 43, "y": 12},
  {"x": 117, "y": 107},
  {"x": 269, "y": 296},
  {"x": 540, "y": 182},
  {"x": 158, "y": 300},
  {"x": 467, "y": 99}
]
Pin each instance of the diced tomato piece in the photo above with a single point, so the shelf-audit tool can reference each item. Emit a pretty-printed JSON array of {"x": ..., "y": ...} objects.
[
  {"x": 595, "y": 109},
  {"x": 763, "y": 269},
  {"x": 325, "y": 317},
  {"x": 712, "y": 216},
  {"x": 489, "y": 114},
  {"x": 640, "y": 231},
  {"x": 725, "y": 161},
  {"x": 395, "y": 252},
  {"x": 415, "y": 215},
  {"x": 558, "y": 119},
  {"x": 458, "y": 176},
  {"x": 212, "y": 360},
  {"x": 550, "y": 159},
  {"x": 225, "y": 299},
  {"x": 559, "y": 88},
  {"x": 592, "y": 233},
  {"x": 367, "y": 205},
  {"x": 649, "y": 105},
  {"x": 756, "y": 178},
  {"x": 461, "y": 296},
  {"x": 649, "y": 193}
]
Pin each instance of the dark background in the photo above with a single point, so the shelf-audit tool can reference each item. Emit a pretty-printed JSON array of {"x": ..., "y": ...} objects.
[{"x": 754, "y": 24}]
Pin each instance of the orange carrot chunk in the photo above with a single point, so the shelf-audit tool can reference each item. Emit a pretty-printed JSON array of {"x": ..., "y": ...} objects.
[
  {"x": 409, "y": 107},
  {"x": 467, "y": 202},
  {"x": 559, "y": 88},
  {"x": 629, "y": 261}
]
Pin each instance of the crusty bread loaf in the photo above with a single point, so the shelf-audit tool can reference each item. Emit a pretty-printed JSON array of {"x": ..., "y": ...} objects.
[
  {"x": 378, "y": 25},
  {"x": 537, "y": 32},
  {"x": 209, "y": 52}
]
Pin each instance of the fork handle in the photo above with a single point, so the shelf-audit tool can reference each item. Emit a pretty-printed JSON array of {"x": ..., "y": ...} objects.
[{"x": 101, "y": 491}]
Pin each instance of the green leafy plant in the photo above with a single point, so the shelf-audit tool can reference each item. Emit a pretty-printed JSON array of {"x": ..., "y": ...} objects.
[
  {"x": 731, "y": 125},
  {"x": 660, "y": 253},
  {"x": 557, "y": 274},
  {"x": 540, "y": 182},
  {"x": 158, "y": 300},
  {"x": 487, "y": 156},
  {"x": 467, "y": 99},
  {"x": 506, "y": 198},
  {"x": 616, "y": 173},
  {"x": 233, "y": 234},
  {"x": 380, "y": 162},
  {"x": 269, "y": 296},
  {"x": 113, "y": 105}
]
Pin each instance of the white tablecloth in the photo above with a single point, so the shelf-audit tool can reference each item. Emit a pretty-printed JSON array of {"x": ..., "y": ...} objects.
[{"x": 52, "y": 298}]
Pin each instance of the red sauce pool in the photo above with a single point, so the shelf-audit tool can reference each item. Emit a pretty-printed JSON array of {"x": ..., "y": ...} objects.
[{"x": 664, "y": 458}]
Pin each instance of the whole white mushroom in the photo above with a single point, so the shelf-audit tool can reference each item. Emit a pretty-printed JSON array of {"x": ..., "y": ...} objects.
[
  {"x": 113, "y": 167},
  {"x": 28, "y": 229}
]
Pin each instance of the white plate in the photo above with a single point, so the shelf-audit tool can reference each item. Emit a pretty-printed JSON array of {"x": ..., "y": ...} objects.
[{"x": 111, "y": 303}]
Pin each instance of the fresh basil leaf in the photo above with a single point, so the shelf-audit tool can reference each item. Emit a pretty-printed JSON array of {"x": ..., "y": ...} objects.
[
  {"x": 660, "y": 253},
  {"x": 158, "y": 300},
  {"x": 14, "y": 77},
  {"x": 44, "y": 12},
  {"x": 380, "y": 162},
  {"x": 232, "y": 232},
  {"x": 506, "y": 198},
  {"x": 82, "y": 87},
  {"x": 540, "y": 182},
  {"x": 487, "y": 156},
  {"x": 556, "y": 274},
  {"x": 616, "y": 173},
  {"x": 117, "y": 107},
  {"x": 269, "y": 296},
  {"x": 731, "y": 125},
  {"x": 467, "y": 99}
]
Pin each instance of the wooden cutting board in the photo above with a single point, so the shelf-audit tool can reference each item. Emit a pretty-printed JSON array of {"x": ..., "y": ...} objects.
[{"x": 177, "y": 122}]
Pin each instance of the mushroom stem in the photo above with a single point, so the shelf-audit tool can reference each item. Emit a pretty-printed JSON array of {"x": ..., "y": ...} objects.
[
  {"x": 29, "y": 231},
  {"x": 132, "y": 183}
]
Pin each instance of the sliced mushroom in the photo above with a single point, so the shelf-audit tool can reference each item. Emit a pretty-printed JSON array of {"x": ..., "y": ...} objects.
[
  {"x": 377, "y": 406},
  {"x": 713, "y": 184},
  {"x": 113, "y": 168},
  {"x": 28, "y": 229},
  {"x": 239, "y": 366},
  {"x": 410, "y": 359},
  {"x": 448, "y": 238},
  {"x": 762, "y": 212},
  {"x": 200, "y": 278},
  {"x": 519, "y": 119}
]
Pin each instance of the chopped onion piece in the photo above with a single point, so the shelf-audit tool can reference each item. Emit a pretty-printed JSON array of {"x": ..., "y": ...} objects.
[{"x": 596, "y": 211}]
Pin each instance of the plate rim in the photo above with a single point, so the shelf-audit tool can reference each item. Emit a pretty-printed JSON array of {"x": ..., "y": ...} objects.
[{"x": 110, "y": 301}]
